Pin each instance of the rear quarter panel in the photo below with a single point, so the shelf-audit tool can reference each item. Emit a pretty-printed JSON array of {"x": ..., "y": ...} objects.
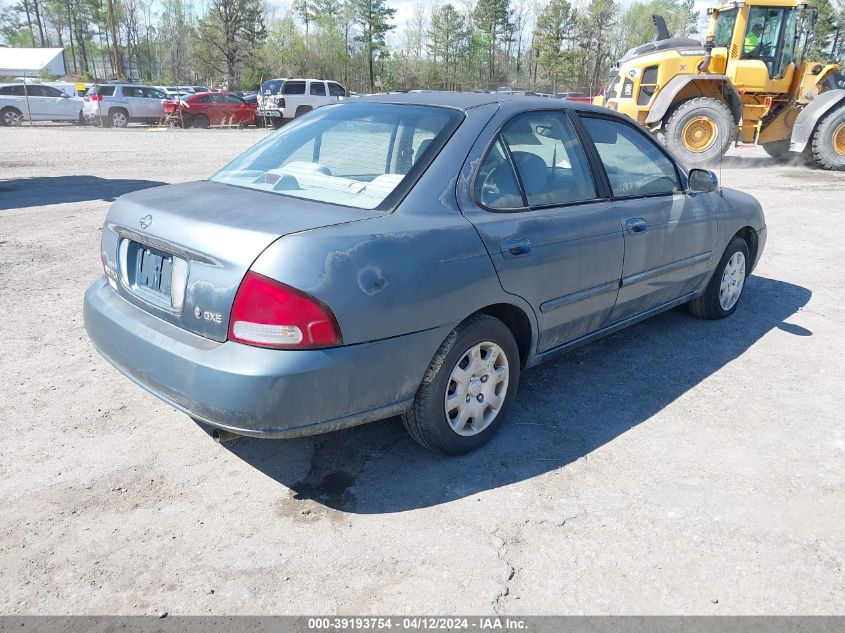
[{"x": 421, "y": 267}]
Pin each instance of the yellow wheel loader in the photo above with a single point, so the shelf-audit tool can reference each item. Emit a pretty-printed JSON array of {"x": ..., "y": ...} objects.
[{"x": 748, "y": 83}]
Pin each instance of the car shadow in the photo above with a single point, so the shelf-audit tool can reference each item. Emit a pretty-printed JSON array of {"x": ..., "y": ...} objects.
[
  {"x": 564, "y": 410},
  {"x": 21, "y": 193}
]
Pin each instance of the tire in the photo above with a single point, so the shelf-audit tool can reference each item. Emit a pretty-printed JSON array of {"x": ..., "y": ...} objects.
[
  {"x": 428, "y": 421},
  {"x": 704, "y": 115},
  {"x": 711, "y": 305},
  {"x": 778, "y": 149},
  {"x": 118, "y": 117},
  {"x": 200, "y": 121},
  {"x": 10, "y": 117},
  {"x": 827, "y": 146}
]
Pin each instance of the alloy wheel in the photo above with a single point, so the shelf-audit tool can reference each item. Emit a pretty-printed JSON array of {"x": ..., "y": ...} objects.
[
  {"x": 11, "y": 118},
  {"x": 477, "y": 388}
]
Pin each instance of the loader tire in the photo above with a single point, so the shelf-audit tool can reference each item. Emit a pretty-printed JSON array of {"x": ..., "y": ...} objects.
[
  {"x": 699, "y": 130},
  {"x": 827, "y": 146},
  {"x": 777, "y": 149}
]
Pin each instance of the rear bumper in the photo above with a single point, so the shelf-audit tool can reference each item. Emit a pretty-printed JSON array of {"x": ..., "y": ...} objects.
[{"x": 255, "y": 391}]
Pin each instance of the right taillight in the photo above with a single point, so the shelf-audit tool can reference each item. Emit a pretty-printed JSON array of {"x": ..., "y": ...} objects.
[
  {"x": 282, "y": 104},
  {"x": 94, "y": 97},
  {"x": 268, "y": 313}
]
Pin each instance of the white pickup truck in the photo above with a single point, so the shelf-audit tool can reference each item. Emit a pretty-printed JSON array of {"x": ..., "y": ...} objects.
[{"x": 281, "y": 100}]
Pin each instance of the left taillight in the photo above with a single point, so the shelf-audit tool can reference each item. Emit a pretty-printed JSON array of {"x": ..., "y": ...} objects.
[{"x": 268, "y": 313}]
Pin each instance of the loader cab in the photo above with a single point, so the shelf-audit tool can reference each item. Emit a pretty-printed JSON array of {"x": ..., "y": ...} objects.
[{"x": 761, "y": 43}]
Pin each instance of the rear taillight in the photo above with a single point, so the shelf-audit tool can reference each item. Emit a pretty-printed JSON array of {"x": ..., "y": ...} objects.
[
  {"x": 268, "y": 313},
  {"x": 282, "y": 104},
  {"x": 95, "y": 97}
]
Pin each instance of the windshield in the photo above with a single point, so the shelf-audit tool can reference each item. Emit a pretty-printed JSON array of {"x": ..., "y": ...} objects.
[{"x": 361, "y": 155}]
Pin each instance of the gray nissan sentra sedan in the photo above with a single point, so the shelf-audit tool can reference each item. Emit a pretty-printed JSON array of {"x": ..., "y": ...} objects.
[{"x": 408, "y": 255}]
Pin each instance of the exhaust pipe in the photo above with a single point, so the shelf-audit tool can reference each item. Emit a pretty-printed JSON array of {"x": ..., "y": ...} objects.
[
  {"x": 221, "y": 435},
  {"x": 709, "y": 44}
]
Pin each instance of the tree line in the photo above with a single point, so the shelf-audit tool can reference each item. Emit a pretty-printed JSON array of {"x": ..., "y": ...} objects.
[{"x": 459, "y": 45}]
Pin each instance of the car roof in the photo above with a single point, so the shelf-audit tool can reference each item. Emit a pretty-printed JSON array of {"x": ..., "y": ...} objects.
[{"x": 467, "y": 100}]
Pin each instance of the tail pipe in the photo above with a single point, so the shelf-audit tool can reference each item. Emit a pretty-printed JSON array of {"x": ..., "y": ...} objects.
[
  {"x": 221, "y": 435},
  {"x": 704, "y": 65}
]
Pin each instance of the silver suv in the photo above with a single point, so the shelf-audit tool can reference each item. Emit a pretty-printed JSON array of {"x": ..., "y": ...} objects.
[
  {"x": 116, "y": 105},
  {"x": 281, "y": 100}
]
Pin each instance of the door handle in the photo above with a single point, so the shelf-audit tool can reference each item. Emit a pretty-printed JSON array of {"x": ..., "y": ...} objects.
[
  {"x": 636, "y": 225},
  {"x": 516, "y": 247}
]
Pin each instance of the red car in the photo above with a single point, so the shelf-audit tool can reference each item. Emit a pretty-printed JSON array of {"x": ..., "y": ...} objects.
[{"x": 211, "y": 108}]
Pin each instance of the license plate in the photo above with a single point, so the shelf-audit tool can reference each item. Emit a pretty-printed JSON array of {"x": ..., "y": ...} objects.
[{"x": 155, "y": 270}]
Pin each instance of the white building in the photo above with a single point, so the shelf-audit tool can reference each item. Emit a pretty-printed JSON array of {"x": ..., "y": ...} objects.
[{"x": 30, "y": 62}]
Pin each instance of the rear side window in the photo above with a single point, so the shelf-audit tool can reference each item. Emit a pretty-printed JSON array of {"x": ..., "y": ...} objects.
[
  {"x": 133, "y": 91},
  {"x": 495, "y": 183},
  {"x": 548, "y": 158},
  {"x": 105, "y": 91},
  {"x": 7, "y": 90},
  {"x": 318, "y": 89},
  {"x": 153, "y": 93},
  {"x": 205, "y": 99},
  {"x": 635, "y": 166},
  {"x": 336, "y": 90},
  {"x": 294, "y": 88}
]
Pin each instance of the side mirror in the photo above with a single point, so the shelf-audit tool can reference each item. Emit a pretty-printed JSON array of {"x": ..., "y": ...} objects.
[{"x": 703, "y": 180}]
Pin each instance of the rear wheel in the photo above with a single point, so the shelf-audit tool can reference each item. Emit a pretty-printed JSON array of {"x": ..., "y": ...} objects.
[
  {"x": 199, "y": 120},
  {"x": 828, "y": 144},
  {"x": 699, "y": 130},
  {"x": 10, "y": 117},
  {"x": 118, "y": 118},
  {"x": 468, "y": 389},
  {"x": 722, "y": 294}
]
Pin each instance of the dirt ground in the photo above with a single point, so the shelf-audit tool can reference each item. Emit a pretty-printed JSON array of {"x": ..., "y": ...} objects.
[{"x": 678, "y": 467}]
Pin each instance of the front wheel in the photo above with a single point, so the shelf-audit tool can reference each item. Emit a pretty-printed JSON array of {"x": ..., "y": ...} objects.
[
  {"x": 700, "y": 130},
  {"x": 468, "y": 389},
  {"x": 720, "y": 298},
  {"x": 827, "y": 146}
]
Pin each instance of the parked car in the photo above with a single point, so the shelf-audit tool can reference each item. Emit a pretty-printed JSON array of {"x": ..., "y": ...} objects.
[
  {"x": 117, "y": 105},
  {"x": 409, "y": 255},
  {"x": 212, "y": 108},
  {"x": 21, "y": 102},
  {"x": 281, "y": 100},
  {"x": 574, "y": 96}
]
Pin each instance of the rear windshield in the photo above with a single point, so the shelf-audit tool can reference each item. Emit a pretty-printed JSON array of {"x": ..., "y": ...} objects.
[
  {"x": 362, "y": 155},
  {"x": 272, "y": 85}
]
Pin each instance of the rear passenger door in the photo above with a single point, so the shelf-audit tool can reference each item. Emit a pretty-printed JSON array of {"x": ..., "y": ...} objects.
[
  {"x": 136, "y": 101},
  {"x": 553, "y": 239},
  {"x": 154, "y": 105},
  {"x": 318, "y": 93},
  {"x": 294, "y": 96},
  {"x": 669, "y": 232}
]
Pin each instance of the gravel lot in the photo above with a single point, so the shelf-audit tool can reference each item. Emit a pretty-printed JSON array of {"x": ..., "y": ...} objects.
[{"x": 682, "y": 466}]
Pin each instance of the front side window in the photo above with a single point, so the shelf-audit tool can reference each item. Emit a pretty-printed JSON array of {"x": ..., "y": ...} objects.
[
  {"x": 361, "y": 155},
  {"x": 294, "y": 88},
  {"x": 336, "y": 90},
  {"x": 318, "y": 89},
  {"x": 762, "y": 34},
  {"x": 635, "y": 166}
]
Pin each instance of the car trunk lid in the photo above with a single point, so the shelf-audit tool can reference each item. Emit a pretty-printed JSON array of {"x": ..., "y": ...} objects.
[{"x": 181, "y": 251}]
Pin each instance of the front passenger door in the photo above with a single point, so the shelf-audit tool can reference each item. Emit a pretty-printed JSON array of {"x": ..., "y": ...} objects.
[{"x": 669, "y": 232}]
